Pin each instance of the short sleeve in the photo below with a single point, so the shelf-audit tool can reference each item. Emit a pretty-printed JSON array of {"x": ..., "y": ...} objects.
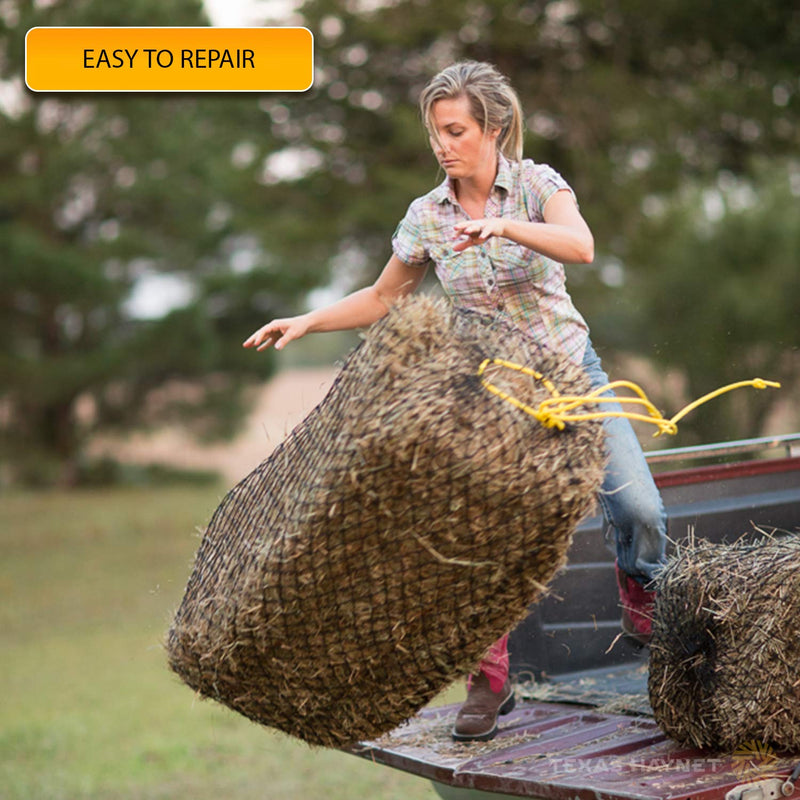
[
  {"x": 540, "y": 182},
  {"x": 407, "y": 242}
]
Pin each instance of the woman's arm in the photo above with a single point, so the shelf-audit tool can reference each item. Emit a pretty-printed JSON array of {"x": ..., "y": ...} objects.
[
  {"x": 356, "y": 310},
  {"x": 563, "y": 236}
]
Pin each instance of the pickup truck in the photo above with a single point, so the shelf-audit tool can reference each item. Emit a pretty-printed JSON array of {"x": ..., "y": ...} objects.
[{"x": 582, "y": 728}]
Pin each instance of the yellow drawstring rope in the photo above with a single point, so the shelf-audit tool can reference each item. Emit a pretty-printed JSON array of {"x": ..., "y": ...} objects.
[{"x": 556, "y": 411}]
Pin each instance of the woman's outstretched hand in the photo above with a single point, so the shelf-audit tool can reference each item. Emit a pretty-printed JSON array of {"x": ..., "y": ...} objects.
[
  {"x": 477, "y": 231},
  {"x": 279, "y": 332}
]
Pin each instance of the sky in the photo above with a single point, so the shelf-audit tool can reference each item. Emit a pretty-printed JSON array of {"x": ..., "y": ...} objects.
[{"x": 245, "y": 13}]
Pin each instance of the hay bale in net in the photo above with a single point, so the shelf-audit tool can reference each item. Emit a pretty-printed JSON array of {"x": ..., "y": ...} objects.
[
  {"x": 401, "y": 528},
  {"x": 725, "y": 650}
]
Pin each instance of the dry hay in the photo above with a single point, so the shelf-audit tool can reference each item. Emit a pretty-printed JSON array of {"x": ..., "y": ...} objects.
[
  {"x": 403, "y": 526},
  {"x": 435, "y": 734},
  {"x": 725, "y": 651},
  {"x": 587, "y": 691}
]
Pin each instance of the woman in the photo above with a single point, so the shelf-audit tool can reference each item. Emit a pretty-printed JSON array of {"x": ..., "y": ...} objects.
[{"x": 498, "y": 230}]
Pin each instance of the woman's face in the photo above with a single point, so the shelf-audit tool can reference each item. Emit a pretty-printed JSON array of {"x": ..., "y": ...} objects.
[{"x": 458, "y": 141}]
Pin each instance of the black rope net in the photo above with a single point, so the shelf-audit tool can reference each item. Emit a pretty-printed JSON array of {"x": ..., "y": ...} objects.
[
  {"x": 725, "y": 651},
  {"x": 400, "y": 529}
]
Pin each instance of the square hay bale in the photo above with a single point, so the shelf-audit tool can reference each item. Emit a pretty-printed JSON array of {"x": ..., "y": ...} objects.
[
  {"x": 402, "y": 527},
  {"x": 725, "y": 652}
]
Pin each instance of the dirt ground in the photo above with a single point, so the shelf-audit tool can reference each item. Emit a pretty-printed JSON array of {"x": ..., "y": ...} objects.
[{"x": 282, "y": 403}]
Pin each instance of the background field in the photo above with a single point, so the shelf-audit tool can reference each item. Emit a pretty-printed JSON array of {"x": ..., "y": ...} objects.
[{"x": 88, "y": 581}]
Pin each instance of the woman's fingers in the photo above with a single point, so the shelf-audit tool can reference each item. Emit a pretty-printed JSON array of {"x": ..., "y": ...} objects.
[
  {"x": 264, "y": 336},
  {"x": 476, "y": 232},
  {"x": 267, "y": 342},
  {"x": 470, "y": 240},
  {"x": 279, "y": 333}
]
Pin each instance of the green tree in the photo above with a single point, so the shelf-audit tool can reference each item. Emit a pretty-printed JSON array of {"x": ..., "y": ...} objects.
[
  {"x": 721, "y": 286},
  {"x": 102, "y": 194}
]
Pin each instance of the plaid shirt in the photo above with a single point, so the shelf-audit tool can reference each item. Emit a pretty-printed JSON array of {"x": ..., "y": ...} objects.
[{"x": 499, "y": 277}]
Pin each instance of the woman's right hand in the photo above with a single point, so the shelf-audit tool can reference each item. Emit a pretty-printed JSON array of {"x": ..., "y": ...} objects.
[
  {"x": 279, "y": 332},
  {"x": 357, "y": 310}
]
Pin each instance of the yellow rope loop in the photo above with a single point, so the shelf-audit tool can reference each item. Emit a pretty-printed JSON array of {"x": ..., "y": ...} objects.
[
  {"x": 756, "y": 383},
  {"x": 541, "y": 414},
  {"x": 558, "y": 410}
]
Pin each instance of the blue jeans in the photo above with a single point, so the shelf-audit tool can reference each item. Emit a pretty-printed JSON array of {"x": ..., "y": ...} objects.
[{"x": 630, "y": 501}]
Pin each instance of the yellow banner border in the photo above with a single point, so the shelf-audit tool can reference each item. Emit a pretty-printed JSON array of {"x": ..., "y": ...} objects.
[{"x": 167, "y": 28}]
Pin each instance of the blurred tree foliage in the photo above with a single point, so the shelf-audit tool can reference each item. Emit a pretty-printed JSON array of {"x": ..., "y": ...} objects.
[
  {"x": 633, "y": 102},
  {"x": 720, "y": 297},
  {"x": 676, "y": 122},
  {"x": 104, "y": 196}
]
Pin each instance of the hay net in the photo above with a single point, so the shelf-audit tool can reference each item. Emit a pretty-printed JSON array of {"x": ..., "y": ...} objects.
[
  {"x": 402, "y": 527},
  {"x": 725, "y": 650}
]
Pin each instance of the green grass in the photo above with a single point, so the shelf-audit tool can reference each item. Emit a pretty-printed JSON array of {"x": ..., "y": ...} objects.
[{"x": 88, "y": 583}]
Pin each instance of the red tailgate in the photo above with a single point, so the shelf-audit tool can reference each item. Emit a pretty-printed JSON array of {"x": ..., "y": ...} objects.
[{"x": 565, "y": 752}]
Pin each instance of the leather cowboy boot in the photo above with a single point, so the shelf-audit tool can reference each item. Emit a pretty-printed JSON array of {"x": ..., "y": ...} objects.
[{"x": 477, "y": 719}]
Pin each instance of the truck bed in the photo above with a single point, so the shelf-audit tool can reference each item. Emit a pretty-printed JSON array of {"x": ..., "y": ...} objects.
[{"x": 591, "y": 738}]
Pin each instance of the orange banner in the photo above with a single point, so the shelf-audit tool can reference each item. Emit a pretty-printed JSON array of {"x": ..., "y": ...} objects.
[{"x": 169, "y": 59}]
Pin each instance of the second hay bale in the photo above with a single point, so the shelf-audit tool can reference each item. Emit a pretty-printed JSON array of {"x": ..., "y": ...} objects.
[
  {"x": 725, "y": 652},
  {"x": 407, "y": 522}
]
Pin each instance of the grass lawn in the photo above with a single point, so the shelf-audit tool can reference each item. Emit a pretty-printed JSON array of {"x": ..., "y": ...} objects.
[{"x": 88, "y": 583}]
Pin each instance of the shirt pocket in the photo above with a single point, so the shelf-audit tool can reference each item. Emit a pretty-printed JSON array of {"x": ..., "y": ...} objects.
[
  {"x": 457, "y": 271},
  {"x": 514, "y": 264}
]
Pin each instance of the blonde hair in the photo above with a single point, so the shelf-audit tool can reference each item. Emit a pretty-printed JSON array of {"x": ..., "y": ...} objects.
[{"x": 493, "y": 102}]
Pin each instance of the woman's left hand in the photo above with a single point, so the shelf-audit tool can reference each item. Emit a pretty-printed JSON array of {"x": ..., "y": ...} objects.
[{"x": 477, "y": 231}]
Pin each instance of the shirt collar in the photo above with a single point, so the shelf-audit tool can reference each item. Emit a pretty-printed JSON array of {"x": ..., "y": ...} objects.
[{"x": 445, "y": 191}]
